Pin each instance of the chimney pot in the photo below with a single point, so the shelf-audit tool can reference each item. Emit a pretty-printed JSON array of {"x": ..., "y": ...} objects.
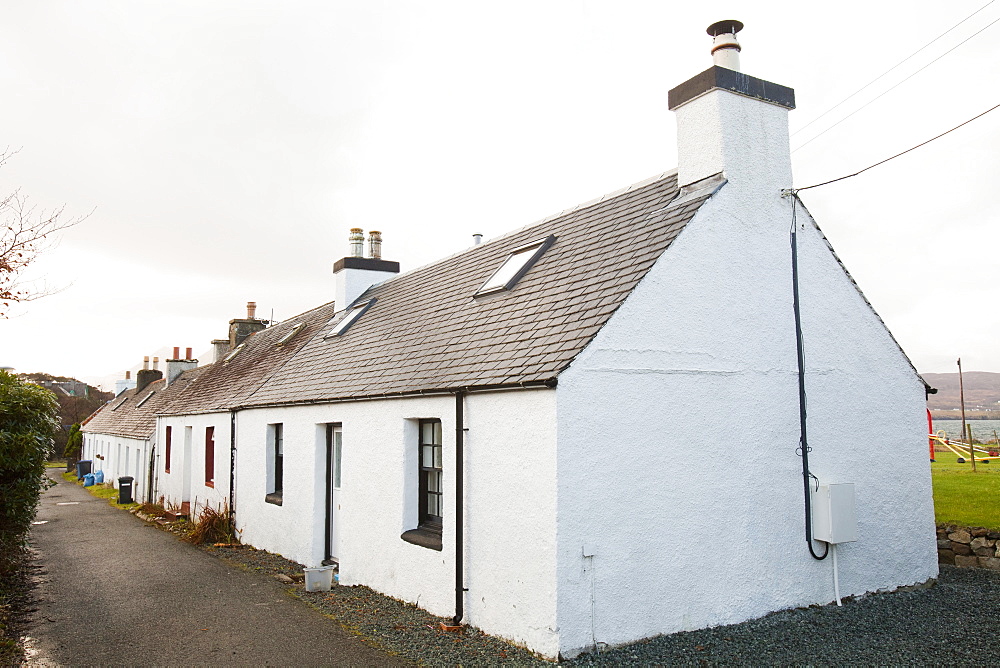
[
  {"x": 128, "y": 374},
  {"x": 156, "y": 363},
  {"x": 477, "y": 239},
  {"x": 251, "y": 310},
  {"x": 187, "y": 354},
  {"x": 357, "y": 239},
  {"x": 177, "y": 352},
  {"x": 145, "y": 362},
  {"x": 375, "y": 245},
  {"x": 725, "y": 47}
]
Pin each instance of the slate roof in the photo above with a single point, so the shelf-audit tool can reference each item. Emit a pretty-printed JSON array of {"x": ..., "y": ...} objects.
[
  {"x": 133, "y": 414},
  {"x": 428, "y": 332},
  {"x": 226, "y": 385}
]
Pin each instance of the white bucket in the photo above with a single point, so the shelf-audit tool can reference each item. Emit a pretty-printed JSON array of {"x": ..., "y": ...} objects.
[{"x": 319, "y": 579}]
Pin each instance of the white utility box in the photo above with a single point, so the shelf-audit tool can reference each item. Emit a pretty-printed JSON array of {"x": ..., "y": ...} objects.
[{"x": 833, "y": 516}]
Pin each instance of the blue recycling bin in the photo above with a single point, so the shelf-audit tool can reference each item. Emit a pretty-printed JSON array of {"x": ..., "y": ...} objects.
[
  {"x": 98, "y": 476},
  {"x": 88, "y": 480},
  {"x": 83, "y": 467}
]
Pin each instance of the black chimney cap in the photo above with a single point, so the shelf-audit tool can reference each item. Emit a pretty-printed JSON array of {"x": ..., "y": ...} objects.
[{"x": 723, "y": 27}]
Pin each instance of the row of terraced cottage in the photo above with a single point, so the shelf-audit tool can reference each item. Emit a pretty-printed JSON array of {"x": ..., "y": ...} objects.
[{"x": 546, "y": 435}]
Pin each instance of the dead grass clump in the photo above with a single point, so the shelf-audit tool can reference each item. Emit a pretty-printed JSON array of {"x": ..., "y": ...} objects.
[
  {"x": 213, "y": 526},
  {"x": 153, "y": 510}
]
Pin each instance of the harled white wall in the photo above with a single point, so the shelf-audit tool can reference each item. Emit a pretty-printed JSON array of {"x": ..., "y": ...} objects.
[
  {"x": 510, "y": 503},
  {"x": 123, "y": 456},
  {"x": 170, "y": 485},
  {"x": 678, "y": 428}
]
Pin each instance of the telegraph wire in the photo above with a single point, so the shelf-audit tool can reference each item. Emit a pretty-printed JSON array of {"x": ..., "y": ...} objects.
[
  {"x": 793, "y": 191},
  {"x": 897, "y": 85},
  {"x": 892, "y": 68}
]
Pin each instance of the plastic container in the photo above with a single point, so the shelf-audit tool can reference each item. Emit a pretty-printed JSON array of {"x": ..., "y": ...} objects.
[
  {"x": 98, "y": 476},
  {"x": 125, "y": 489},
  {"x": 83, "y": 467},
  {"x": 88, "y": 480},
  {"x": 319, "y": 579}
]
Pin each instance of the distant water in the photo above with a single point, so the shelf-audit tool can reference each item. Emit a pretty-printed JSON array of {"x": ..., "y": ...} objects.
[{"x": 982, "y": 430}]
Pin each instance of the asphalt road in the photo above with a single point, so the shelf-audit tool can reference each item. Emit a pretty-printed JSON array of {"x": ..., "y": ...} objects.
[{"x": 114, "y": 590}]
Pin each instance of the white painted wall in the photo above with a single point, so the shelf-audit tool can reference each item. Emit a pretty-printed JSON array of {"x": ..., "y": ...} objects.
[
  {"x": 122, "y": 456},
  {"x": 678, "y": 429},
  {"x": 170, "y": 485},
  {"x": 510, "y": 503},
  {"x": 349, "y": 284}
]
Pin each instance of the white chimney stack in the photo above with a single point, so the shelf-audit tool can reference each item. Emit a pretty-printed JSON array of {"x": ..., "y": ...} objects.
[
  {"x": 732, "y": 123},
  {"x": 355, "y": 273},
  {"x": 477, "y": 239}
]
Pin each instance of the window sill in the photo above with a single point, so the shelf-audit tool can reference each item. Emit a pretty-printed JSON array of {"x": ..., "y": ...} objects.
[
  {"x": 273, "y": 497},
  {"x": 423, "y": 538}
]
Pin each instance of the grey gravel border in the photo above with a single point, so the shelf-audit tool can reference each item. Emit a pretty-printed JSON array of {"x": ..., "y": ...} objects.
[{"x": 956, "y": 622}]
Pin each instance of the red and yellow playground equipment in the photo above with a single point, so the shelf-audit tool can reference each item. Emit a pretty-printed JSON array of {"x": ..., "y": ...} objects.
[{"x": 961, "y": 448}]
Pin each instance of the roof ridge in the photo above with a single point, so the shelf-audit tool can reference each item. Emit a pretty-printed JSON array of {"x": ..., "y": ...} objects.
[{"x": 565, "y": 212}]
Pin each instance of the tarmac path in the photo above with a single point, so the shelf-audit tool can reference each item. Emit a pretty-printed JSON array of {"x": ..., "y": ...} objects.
[{"x": 115, "y": 590}]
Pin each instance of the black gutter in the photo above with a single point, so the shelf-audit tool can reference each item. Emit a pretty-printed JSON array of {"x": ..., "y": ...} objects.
[
  {"x": 528, "y": 385},
  {"x": 459, "y": 506}
]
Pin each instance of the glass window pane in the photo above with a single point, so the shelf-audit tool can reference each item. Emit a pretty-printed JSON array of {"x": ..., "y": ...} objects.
[
  {"x": 336, "y": 459},
  {"x": 427, "y": 432},
  {"x": 437, "y": 433},
  {"x": 434, "y": 481},
  {"x": 433, "y": 504},
  {"x": 437, "y": 457},
  {"x": 427, "y": 456}
]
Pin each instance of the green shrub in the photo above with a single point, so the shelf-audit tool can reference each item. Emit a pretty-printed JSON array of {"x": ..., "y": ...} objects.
[
  {"x": 74, "y": 442},
  {"x": 27, "y": 424}
]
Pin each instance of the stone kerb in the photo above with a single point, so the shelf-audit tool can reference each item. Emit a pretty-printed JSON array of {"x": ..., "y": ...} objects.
[{"x": 968, "y": 547}]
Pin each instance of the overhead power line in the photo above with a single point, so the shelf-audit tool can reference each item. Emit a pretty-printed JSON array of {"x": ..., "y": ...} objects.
[
  {"x": 793, "y": 191},
  {"x": 879, "y": 77},
  {"x": 897, "y": 85}
]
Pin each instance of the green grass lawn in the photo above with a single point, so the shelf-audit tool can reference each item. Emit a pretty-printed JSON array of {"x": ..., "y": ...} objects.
[{"x": 963, "y": 497}]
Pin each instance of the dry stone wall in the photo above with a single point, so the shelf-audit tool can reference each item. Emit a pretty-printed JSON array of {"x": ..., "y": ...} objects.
[{"x": 968, "y": 547}]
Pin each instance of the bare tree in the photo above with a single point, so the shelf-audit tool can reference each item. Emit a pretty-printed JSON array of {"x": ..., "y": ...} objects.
[{"x": 25, "y": 231}]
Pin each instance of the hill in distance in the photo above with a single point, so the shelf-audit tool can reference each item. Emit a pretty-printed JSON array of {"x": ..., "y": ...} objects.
[{"x": 982, "y": 394}]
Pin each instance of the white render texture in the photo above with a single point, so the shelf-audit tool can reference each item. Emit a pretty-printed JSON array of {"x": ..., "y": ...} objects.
[
  {"x": 678, "y": 428},
  {"x": 351, "y": 284},
  {"x": 185, "y": 482},
  {"x": 744, "y": 138},
  {"x": 510, "y": 503}
]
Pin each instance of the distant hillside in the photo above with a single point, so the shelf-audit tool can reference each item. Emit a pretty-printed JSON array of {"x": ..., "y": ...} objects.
[{"x": 982, "y": 394}]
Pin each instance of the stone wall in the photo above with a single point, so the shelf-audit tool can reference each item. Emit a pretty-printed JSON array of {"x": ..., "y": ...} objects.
[{"x": 968, "y": 547}]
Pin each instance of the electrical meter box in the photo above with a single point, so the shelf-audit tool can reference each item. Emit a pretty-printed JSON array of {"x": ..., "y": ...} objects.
[{"x": 833, "y": 516}]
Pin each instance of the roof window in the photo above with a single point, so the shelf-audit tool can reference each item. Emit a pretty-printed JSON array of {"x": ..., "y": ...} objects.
[
  {"x": 515, "y": 266},
  {"x": 120, "y": 404},
  {"x": 145, "y": 399},
  {"x": 236, "y": 351},
  {"x": 349, "y": 318},
  {"x": 292, "y": 332}
]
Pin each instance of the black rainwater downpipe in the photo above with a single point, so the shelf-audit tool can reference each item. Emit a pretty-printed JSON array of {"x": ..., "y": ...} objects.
[
  {"x": 232, "y": 464},
  {"x": 459, "y": 506},
  {"x": 803, "y": 441}
]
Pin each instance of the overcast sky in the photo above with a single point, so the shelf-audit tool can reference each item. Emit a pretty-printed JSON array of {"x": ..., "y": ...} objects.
[{"x": 225, "y": 149}]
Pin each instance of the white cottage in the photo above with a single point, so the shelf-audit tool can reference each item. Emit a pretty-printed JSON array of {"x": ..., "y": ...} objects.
[{"x": 588, "y": 431}]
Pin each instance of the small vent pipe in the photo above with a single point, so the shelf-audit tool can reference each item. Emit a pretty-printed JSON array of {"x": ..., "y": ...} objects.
[{"x": 725, "y": 47}]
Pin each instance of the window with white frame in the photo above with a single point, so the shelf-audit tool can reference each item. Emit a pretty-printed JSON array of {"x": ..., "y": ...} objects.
[{"x": 515, "y": 266}]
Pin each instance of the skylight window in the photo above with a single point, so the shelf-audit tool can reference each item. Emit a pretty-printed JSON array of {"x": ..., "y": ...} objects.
[
  {"x": 120, "y": 404},
  {"x": 292, "y": 332},
  {"x": 515, "y": 266},
  {"x": 350, "y": 318},
  {"x": 145, "y": 399},
  {"x": 236, "y": 351}
]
